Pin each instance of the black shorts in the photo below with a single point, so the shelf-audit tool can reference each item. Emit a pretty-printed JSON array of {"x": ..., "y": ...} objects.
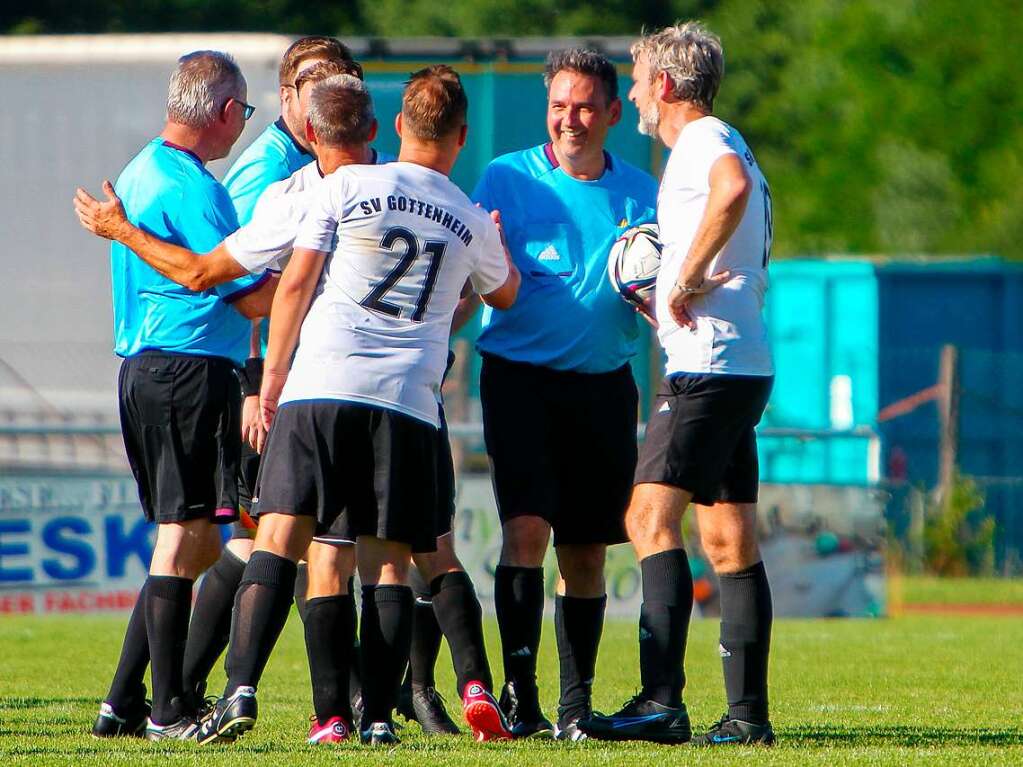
[
  {"x": 377, "y": 465},
  {"x": 562, "y": 446},
  {"x": 248, "y": 471},
  {"x": 181, "y": 422},
  {"x": 340, "y": 531},
  {"x": 701, "y": 437}
]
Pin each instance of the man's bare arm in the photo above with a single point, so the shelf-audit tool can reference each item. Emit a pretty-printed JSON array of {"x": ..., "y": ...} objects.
[
  {"x": 256, "y": 339},
  {"x": 729, "y": 192},
  {"x": 468, "y": 303},
  {"x": 192, "y": 270},
  {"x": 258, "y": 302},
  {"x": 504, "y": 296}
]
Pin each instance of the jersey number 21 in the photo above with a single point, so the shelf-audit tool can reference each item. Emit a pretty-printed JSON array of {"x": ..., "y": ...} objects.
[{"x": 393, "y": 238}]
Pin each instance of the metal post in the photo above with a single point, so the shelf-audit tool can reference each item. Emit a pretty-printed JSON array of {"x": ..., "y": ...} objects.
[{"x": 948, "y": 412}]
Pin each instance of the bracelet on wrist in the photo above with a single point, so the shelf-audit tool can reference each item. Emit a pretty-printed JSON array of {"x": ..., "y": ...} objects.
[{"x": 685, "y": 288}]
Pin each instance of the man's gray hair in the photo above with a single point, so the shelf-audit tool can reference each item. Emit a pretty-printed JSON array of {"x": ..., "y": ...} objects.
[
  {"x": 585, "y": 61},
  {"x": 201, "y": 86},
  {"x": 341, "y": 111},
  {"x": 691, "y": 57}
]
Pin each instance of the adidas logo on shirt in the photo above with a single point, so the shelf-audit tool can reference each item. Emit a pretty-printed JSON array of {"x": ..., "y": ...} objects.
[{"x": 550, "y": 253}]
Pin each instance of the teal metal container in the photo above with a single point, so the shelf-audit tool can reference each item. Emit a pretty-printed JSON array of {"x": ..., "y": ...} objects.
[{"x": 823, "y": 321}]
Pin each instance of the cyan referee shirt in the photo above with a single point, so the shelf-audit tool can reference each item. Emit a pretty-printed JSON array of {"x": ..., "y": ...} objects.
[
  {"x": 560, "y": 231},
  {"x": 167, "y": 192},
  {"x": 273, "y": 156}
]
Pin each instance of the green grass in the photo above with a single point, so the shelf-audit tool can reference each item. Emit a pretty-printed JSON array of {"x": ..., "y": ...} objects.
[
  {"x": 918, "y": 690},
  {"x": 932, "y": 590}
]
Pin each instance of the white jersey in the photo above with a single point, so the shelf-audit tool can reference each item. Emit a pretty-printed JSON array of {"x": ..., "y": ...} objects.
[
  {"x": 266, "y": 241},
  {"x": 730, "y": 335},
  {"x": 402, "y": 241}
]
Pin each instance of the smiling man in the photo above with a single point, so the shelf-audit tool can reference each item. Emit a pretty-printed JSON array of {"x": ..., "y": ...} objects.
[
  {"x": 716, "y": 225},
  {"x": 559, "y": 401}
]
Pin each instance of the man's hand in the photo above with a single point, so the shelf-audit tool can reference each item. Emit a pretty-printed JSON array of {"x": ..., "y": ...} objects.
[
  {"x": 269, "y": 396},
  {"x": 647, "y": 311},
  {"x": 678, "y": 299},
  {"x": 495, "y": 216},
  {"x": 106, "y": 219},
  {"x": 250, "y": 420}
]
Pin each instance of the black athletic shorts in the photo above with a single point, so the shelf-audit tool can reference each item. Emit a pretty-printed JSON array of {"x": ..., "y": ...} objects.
[
  {"x": 248, "y": 471},
  {"x": 701, "y": 437},
  {"x": 562, "y": 446},
  {"x": 377, "y": 465},
  {"x": 181, "y": 422},
  {"x": 340, "y": 531}
]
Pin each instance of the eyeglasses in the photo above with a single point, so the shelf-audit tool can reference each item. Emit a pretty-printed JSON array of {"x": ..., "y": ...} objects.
[{"x": 248, "y": 108}]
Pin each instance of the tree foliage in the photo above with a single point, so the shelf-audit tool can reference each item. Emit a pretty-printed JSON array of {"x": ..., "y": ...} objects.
[{"x": 883, "y": 125}]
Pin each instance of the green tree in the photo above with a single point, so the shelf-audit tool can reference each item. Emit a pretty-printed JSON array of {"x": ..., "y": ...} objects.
[{"x": 884, "y": 125}]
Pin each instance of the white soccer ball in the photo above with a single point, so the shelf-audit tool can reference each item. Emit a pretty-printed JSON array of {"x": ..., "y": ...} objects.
[{"x": 633, "y": 263}]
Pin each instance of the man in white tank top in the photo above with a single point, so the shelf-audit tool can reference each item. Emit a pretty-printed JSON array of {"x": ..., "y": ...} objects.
[
  {"x": 714, "y": 213},
  {"x": 358, "y": 344}
]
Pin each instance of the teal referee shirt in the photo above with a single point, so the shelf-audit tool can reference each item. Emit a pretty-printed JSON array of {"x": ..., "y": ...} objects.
[
  {"x": 560, "y": 231},
  {"x": 167, "y": 192}
]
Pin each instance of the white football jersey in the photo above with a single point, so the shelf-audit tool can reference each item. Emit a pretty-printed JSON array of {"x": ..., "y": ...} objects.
[
  {"x": 730, "y": 335},
  {"x": 266, "y": 241},
  {"x": 402, "y": 240}
]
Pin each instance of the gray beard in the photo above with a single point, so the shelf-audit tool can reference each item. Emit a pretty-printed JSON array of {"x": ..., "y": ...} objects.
[{"x": 650, "y": 120}]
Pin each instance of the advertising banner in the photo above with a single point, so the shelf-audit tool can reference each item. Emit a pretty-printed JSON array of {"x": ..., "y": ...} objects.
[{"x": 80, "y": 544}]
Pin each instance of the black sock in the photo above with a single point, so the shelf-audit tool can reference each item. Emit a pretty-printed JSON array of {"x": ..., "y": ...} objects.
[
  {"x": 128, "y": 688},
  {"x": 426, "y": 634},
  {"x": 578, "y": 623},
  {"x": 460, "y": 617},
  {"x": 210, "y": 627},
  {"x": 168, "y": 600},
  {"x": 302, "y": 587},
  {"x": 518, "y": 601},
  {"x": 329, "y": 639},
  {"x": 354, "y": 678},
  {"x": 260, "y": 611},
  {"x": 746, "y": 615},
  {"x": 664, "y": 625},
  {"x": 386, "y": 637}
]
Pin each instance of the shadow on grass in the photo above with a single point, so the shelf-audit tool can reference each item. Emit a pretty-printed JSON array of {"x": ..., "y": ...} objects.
[{"x": 900, "y": 735}]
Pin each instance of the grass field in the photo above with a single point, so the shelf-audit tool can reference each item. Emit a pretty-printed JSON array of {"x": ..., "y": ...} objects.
[
  {"x": 917, "y": 690},
  {"x": 931, "y": 590}
]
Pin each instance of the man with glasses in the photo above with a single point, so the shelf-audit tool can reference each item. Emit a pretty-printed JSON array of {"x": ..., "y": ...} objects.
[
  {"x": 277, "y": 153},
  {"x": 178, "y": 394}
]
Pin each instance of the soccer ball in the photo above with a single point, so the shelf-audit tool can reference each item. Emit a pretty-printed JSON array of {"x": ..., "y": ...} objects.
[{"x": 633, "y": 263}]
